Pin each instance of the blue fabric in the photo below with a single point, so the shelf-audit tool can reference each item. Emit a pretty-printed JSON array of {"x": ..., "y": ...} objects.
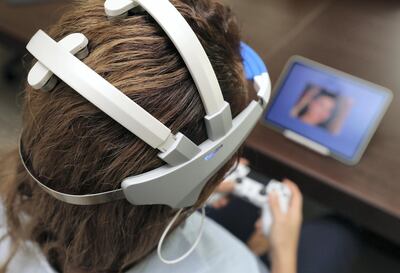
[{"x": 252, "y": 62}]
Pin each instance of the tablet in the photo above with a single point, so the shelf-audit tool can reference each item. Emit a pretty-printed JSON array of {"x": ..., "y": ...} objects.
[{"x": 328, "y": 111}]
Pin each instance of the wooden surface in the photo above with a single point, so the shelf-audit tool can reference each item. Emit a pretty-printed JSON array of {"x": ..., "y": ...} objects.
[
  {"x": 359, "y": 37},
  {"x": 21, "y": 21}
]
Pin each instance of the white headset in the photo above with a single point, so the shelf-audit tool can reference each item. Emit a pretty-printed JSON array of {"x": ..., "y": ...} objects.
[{"x": 188, "y": 167}]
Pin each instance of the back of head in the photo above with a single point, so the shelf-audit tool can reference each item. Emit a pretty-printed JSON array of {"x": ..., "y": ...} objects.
[{"x": 75, "y": 148}]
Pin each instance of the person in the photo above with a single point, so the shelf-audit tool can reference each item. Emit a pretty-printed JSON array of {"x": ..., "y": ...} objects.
[
  {"x": 327, "y": 242},
  {"x": 317, "y": 107},
  {"x": 322, "y": 108},
  {"x": 73, "y": 147}
]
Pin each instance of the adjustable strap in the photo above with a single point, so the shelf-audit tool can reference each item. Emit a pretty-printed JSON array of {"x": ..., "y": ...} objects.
[{"x": 87, "y": 199}]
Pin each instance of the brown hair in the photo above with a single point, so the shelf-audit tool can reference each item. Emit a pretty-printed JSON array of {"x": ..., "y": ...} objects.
[{"x": 73, "y": 147}]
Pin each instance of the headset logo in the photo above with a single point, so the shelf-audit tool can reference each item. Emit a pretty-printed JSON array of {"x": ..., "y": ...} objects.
[{"x": 212, "y": 154}]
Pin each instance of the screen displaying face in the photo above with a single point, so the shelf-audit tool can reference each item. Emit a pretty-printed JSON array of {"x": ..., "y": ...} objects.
[
  {"x": 323, "y": 108},
  {"x": 331, "y": 109}
]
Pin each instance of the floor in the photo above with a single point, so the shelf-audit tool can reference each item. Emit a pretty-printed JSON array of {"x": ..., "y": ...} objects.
[{"x": 377, "y": 255}]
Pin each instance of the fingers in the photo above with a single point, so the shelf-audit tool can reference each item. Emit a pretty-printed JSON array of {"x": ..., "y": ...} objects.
[
  {"x": 220, "y": 203},
  {"x": 296, "y": 203},
  {"x": 244, "y": 161},
  {"x": 274, "y": 205},
  {"x": 225, "y": 187},
  {"x": 258, "y": 225}
]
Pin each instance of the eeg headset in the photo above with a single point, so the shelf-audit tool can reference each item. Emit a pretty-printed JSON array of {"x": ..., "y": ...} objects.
[{"x": 188, "y": 167}]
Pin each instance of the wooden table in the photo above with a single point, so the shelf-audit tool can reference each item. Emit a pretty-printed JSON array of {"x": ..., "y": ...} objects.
[{"x": 358, "y": 37}]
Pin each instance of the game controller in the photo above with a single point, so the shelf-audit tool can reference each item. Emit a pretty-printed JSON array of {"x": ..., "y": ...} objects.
[{"x": 256, "y": 193}]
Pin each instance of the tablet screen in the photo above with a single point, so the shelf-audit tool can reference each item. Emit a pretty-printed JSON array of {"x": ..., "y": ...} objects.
[{"x": 332, "y": 109}]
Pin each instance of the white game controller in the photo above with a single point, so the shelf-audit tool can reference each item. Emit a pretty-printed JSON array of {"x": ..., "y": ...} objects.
[{"x": 257, "y": 193}]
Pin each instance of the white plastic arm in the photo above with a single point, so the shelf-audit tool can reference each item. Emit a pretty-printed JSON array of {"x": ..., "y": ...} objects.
[
  {"x": 99, "y": 91},
  {"x": 39, "y": 75},
  {"x": 186, "y": 42},
  {"x": 262, "y": 84}
]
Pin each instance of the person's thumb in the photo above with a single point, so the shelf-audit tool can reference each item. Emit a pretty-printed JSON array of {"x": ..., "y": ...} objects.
[
  {"x": 273, "y": 201},
  {"x": 225, "y": 187}
]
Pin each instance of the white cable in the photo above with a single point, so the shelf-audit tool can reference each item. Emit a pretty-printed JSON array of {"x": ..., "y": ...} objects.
[{"x": 197, "y": 241}]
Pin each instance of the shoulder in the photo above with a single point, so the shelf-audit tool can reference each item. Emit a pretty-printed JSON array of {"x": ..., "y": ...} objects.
[
  {"x": 27, "y": 259},
  {"x": 224, "y": 252},
  {"x": 218, "y": 251}
]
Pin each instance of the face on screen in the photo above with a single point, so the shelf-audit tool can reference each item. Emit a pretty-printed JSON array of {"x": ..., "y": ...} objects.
[
  {"x": 333, "y": 110},
  {"x": 322, "y": 108}
]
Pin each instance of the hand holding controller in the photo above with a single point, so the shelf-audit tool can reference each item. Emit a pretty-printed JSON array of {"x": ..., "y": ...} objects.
[
  {"x": 257, "y": 193},
  {"x": 284, "y": 195},
  {"x": 284, "y": 206}
]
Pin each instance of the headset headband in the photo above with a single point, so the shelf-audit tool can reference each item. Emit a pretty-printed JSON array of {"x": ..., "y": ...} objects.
[{"x": 189, "y": 166}]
